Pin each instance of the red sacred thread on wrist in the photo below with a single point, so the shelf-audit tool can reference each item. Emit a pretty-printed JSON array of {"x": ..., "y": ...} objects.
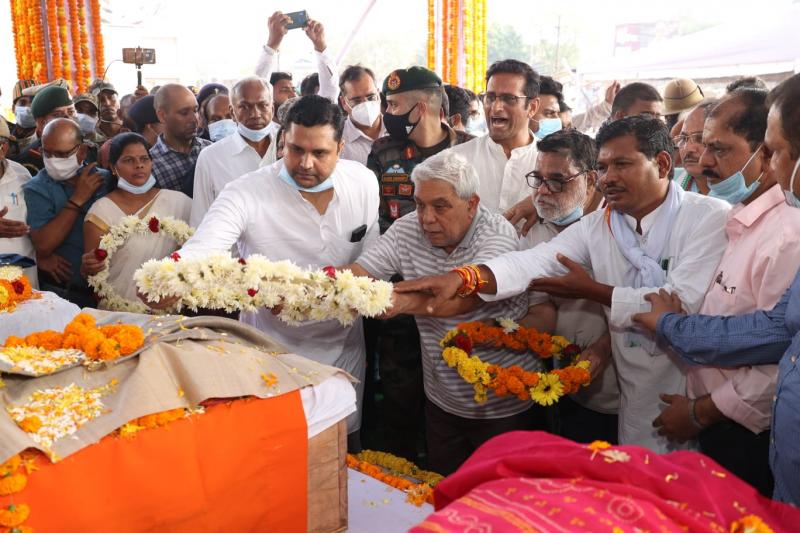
[{"x": 471, "y": 280}]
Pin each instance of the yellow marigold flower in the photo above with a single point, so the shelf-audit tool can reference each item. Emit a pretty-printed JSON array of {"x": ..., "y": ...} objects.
[
  {"x": 451, "y": 355},
  {"x": 269, "y": 379},
  {"x": 598, "y": 445},
  {"x": 750, "y": 524},
  {"x": 31, "y": 424},
  {"x": 448, "y": 337},
  {"x": 14, "y": 515},
  {"x": 11, "y": 465},
  {"x": 12, "y": 483},
  {"x": 548, "y": 390}
]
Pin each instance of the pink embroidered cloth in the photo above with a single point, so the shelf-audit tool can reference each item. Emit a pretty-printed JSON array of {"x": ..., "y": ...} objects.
[{"x": 534, "y": 481}]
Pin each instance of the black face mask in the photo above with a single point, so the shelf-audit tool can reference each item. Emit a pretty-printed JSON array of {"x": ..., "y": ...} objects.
[{"x": 398, "y": 126}]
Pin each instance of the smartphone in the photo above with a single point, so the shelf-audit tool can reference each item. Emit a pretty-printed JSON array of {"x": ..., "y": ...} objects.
[
  {"x": 139, "y": 56},
  {"x": 299, "y": 20}
]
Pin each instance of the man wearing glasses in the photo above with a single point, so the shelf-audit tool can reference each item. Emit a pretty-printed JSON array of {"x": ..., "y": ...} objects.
[
  {"x": 651, "y": 235},
  {"x": 563, "y": 188},
  {"x": 58, "y": 198},
  {"x": 361, "y": 100},
  {"x": 503, "y": 157},
  {"x": 690, "y": 145}
]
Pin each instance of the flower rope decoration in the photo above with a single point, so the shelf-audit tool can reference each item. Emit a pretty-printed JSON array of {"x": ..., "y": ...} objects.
[
  {"x": 116, "y": 237},
  {"x": 544, "y": 388},
  {"x": 219, "y": 281},
  {"x": 14, "y": 288},
  {"x": 416, "y": 493}
]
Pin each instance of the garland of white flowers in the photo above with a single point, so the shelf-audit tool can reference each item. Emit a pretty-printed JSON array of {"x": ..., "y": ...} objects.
[
  {"x": 117, "y": 235},
  {"x": 220, "y": 281}
]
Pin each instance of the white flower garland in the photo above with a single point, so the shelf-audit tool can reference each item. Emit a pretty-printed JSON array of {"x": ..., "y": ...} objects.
[
  {"x": 117, "y": 235},
  {"x": 10, "y": 272},
  {"x": 220, "y": 281}
]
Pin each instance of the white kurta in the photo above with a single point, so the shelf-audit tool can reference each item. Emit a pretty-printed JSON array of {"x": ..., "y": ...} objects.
[
  {"x": 502, "y": 179},
  {"x": 11, "y": 196},
  {"x": 263, "y": 215},
  {"x": 326, "y": 67},
  {"x": 220, "y": 164},
  {"x": 693, "y": 249}
]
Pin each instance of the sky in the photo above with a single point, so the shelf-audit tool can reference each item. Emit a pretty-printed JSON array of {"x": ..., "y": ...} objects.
[{"x": 202, "y": 40}]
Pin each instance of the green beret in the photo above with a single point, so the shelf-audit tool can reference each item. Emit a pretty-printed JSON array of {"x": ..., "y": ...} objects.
[
  {"x": 410, "y": 79},
  {"x": 49, "y": 99}
]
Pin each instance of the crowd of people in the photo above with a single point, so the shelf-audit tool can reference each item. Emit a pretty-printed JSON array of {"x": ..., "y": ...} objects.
[{"x": 666, "y": 245}]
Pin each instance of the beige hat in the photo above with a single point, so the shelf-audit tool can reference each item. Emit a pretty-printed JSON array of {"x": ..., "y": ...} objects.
[
  {"x": 33, "y": 90},
  {"x": 681, "y": 94},
  {"x": 5, "y": 132}
]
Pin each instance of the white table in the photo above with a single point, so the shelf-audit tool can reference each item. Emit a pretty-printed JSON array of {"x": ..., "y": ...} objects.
[{"x": 373, "y": 506}]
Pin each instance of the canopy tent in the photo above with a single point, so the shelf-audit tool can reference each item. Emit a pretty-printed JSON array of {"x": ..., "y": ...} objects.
[{"x": 766, "y": 43}]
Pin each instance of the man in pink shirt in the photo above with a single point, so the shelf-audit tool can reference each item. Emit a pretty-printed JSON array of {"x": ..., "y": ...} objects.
[{"x": 729, "y": 410}]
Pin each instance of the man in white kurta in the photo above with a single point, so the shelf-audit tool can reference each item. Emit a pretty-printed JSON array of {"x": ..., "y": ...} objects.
[
  {"x": 313, "y": 209},
  {"x": 508, "y": 152},
  {"x": 634, "y": 164},
  {"x": 253, "y": 146}
]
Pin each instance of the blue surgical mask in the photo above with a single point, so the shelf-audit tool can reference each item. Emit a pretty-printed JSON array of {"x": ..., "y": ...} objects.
[
  {"x": 569, "y": 218},
  {"x": 548, "y": 126},
  {"x": 791, "y": 198},
  {"x": 86, "y": 122},
  {"x": 476, "y": 126},
  {"x": 134, "y": 189},
  {"x": 254, "y": 135},
  {"x": 324, "y": 186},
  {"x": 221, "y": 129},
  {"x": 24, "y": 117},
  {"x": 733, "y": 189}
]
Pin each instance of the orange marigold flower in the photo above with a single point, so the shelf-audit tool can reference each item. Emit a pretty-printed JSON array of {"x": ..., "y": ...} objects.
[
  {"x": 30, "y": 424},
  {"x": 12, "y": 483},
  {"x": 11, "y": 465},
  {"x": 14, "y": 515}
]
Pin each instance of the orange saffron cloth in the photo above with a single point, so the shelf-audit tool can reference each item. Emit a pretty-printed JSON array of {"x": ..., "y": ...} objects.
[{"x": 241, "y": 466}]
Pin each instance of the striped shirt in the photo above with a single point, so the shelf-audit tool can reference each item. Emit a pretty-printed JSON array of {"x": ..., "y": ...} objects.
[
  {"x": 171, "y": 169},
  {"x": 404, "y": 250}
]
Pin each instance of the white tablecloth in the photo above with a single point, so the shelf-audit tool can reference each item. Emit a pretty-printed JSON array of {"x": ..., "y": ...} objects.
[
  {"x": 49, "y": 312},
  {"x": 375, "y": 506}
]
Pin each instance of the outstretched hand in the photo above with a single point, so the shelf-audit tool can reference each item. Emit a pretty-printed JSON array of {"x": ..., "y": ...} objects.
[
  {"x": 442, "y": 287},
  {"x": 576, "y": 283},
  {"x": 661, "y": 302},
  {"x": 316, "y": 33}
]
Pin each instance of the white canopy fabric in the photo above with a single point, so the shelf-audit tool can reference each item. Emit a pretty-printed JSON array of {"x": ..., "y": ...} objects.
[{"x": 767, "y": 43}]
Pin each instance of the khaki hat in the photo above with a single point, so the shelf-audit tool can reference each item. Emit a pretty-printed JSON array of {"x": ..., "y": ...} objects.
[
  {"x": 681, "y": 94},
  {"x": 20, "y": 86},
  {"x": 86, "y": 97},
  {"x": 33, "y": 90},
  {"x": 99, "y": 86},
  {"x": 5, "y": 131}
]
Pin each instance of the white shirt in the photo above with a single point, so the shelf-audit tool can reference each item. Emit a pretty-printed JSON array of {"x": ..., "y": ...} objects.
[
  {"x": 220, "y": 164},
  {"x": 694, "y": 247},
  {"x": 326, "y": 67},
  {"x": 357, "y": 145},
  {"x": 581, "y": 322},
  {"x": 502, "y": 179},
  {"x": 11, "y": 196},
  {"x": 261, "y": 214}
]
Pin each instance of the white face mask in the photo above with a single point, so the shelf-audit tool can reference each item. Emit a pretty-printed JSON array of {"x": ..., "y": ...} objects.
[
  {"x": 254, "y": 135},
  {"x": 61, "y": 168},
  {"x": 221, "y": 129},
  {"x": 86, "y": 122},
  {"x": 24, "y": 116},
  {"x": 366, "y": 113}
]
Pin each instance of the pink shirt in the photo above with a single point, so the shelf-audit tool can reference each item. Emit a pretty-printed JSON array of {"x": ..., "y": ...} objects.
[{"x": 759, "y": 264}]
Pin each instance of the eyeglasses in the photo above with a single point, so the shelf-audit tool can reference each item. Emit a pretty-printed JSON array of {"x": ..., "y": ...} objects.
[
  {"x": 508, "y": 100},
  {"x": 554, "y": 186},
  {"x": 62, "y": 155},
  {"x": 352, "y": 102},
  {"x": 682, "y": 139}
]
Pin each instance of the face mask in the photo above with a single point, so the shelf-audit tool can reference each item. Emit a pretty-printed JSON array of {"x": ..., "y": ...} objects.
[
  {"x": 86, "y": 122},
  {"x": 324, "y": 186},
  {"x": 791, "y": 199},
  {"x": 733, "y": 189},
  {"x": 125, "y": 185},
  {"x": 569, "y": 218},
  {"x": 398, "y": 126},
  {"x": 476, "y": 126},
  {"x": 24, "y": 116},
  {"x": 253, "y": 135},
  {"x": 61, "y": 169},
  {"x": 548, "y": 126},
  {"x": 221, "y": 129},
  {"x": 366, "y": 113}
]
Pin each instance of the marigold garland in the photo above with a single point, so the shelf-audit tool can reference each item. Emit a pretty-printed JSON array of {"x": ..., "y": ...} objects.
[
  {"x": 97, "y": 39},
  {"x": 15, "y": 288},
  {"x": 55, "y": 45},
  {"x": 14, "y": 515},
  {"x": 544, "y": 388},
  {"x": 102, "y": 343},
  {"x": 86, "y": 67},
  {"x": 399, "y": 466},
  {"x": 63, "y": 38},
  {"x": 416, "y": 493},
  {"x": 75, "y": 36},
  {"x": 13, "y": 479}
]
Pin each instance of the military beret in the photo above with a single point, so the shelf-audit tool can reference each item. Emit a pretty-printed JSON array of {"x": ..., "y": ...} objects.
[
  {"x": 210, "y": 89},
  {"x": 19, "y": 87},
  {"x": 86, "y": 97},
  {"x": 49, "y": 99},
  {"x": 143, "y": 111},
  {"x": 410, "y": 79}
]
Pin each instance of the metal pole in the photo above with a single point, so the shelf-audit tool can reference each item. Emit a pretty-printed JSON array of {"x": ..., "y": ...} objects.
[{"x": 47, "y": 49}]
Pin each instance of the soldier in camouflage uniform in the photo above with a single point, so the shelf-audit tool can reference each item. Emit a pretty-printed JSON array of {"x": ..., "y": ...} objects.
[{"x": 413, "y": 119}]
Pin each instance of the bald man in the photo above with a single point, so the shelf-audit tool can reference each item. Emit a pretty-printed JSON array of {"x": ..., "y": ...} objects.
[
  {"x": 177, "y": 148},
  {"x": 58, "y": 197}
]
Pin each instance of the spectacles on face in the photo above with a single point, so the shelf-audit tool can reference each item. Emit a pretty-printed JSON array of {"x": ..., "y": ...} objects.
[
  {"x": 508, "y": 100},
  {"x": 352, "y": 102},
  {"x": 554, "y": 186},
  {"x": 62, "y": 155},
  {"x": 683, "y": 139}
]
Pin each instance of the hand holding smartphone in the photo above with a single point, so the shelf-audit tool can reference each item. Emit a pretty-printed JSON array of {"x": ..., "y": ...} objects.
[{"x": 299, "y": 20}]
